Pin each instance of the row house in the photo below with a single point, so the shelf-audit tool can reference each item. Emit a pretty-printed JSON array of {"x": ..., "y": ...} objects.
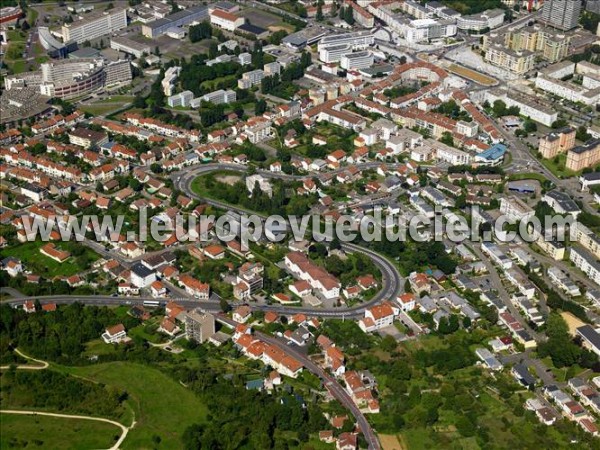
[
  {"x": 195, "y": 287},
  {"x": 121, "y": 151},
  {"x": 108, "y": 171},
  {"x": 162, "y": 128},
  {"x": 379, "y": 316},
  {"x": 48, "y": 125},
  {"x": 10, "y": 136},
  {"x": 127, "y": 130},
  {"x": 360, "y": 392},
  {"x": 58, "y": 170},
  {"x": 269, "y": 354},
  {"x": 319, "y": 278}
]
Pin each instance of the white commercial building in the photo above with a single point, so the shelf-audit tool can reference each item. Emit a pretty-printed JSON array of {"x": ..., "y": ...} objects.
[
  {"x": 425, "y": 30},
  {"x": 344, "y": 43},
  {"x": 357, "y": 60},
  {"x": 130, "y": 46},
  {"x": 72, "y": 78},
  {"x": 225, "y": 20},
  {"x": 487, "y": 20}
]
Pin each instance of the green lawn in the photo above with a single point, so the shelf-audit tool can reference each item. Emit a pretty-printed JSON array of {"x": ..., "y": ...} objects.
[
  {"x": 107, "y": 106},
  {"x": 148, "y": 331},
  {"x": 29, "y": 254},
  {"x": 162, "y": 406},
  {"x": 55, "y": 433},
  {"x": 557, "y": 166}
]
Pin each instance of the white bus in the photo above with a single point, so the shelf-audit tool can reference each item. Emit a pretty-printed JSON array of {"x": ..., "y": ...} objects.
[{"x": 151, "y": 303}]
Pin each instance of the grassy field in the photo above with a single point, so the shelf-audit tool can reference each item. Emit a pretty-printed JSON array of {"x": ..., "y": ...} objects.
[
  {"x": 265, "y": 19},
  {"x": 162, "y": 406},
  {"x": 16, "y": 46},
  {"x": 557, "y": 166},
  {"x": 107, "y": 106},
  {"x": 29, "y": 254},
  {"x": 390, "y": 442},
  {"x": 55, "y": 433}
]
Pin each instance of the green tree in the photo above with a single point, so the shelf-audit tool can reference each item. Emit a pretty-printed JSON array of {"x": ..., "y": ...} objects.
[
  {"x": 260, "y": 107},
  {"x": 319, "y": 16}
]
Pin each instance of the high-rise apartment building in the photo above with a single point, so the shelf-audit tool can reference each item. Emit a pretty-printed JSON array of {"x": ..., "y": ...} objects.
[
  {"x": 199, "y": 326},
  {"x": 561, "y": 14}
]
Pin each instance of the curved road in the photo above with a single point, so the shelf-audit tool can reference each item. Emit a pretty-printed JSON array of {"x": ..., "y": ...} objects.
[
  {"x": 195, "y": 171},
  {"x": 391, "y": 278}
]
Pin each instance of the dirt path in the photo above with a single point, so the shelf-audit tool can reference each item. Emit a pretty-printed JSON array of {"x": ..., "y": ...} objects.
[
  {"x": 116, "y": 446},
  {"x": 43, "y": 364}
]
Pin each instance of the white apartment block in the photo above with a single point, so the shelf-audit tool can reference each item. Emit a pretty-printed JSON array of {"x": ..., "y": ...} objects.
[
  {"x": 169, "y": 80},
  {"x": 258, "y": 129},
  {"x": 563, "y": 282},
  {"x": 468, "y": 129},
  {"x": 588, "y": 93},
  {"x": 532, "y": 107},
  {"x": 378, "y": 317},
  {"x": 220, "y": 96},
  {"x": 496, "y": 255},
  {"x": 251, "y": 78},
  {"x": 449, "y": 154},
  {"x": 271, "y": 69},
  {"x": 319, "y": 279},
  {"x": 587, "y": 238},
  {"x": 515, "y": 208},
  {"x": 94, "y": 25},
  {"x": 586, "y": 262},
  {"x": 415, "y": 9},
  {"x": 182, "y": 99}
]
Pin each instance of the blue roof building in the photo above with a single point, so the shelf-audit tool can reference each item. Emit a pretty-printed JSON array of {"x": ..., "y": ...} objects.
[{"x": 493, "y": 156}]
